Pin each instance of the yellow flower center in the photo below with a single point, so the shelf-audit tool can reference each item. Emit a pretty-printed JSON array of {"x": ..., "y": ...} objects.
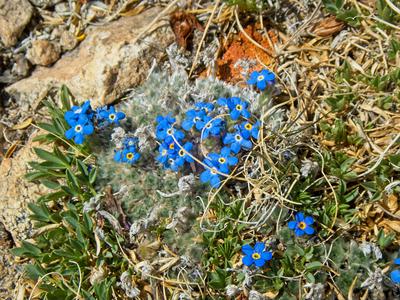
[
  {"x": 112, "y": 116},
  {"x": 78, "y": 128},
  {"x": 256, "y": 256},
  {"x": 248, "y": 126},
  {"x": 221, "y": 160},
  {"x": 239, "y": 107},
  {"x": 172, "y": 146},
  {"x": 129, "y": 155},
  {"x": 302, "y": 225}
]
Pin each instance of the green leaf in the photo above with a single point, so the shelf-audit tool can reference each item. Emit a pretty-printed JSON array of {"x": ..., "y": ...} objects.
[
  {"x": 72, "y": 181},
  {"x": 34, "y": 271},
  {"x": 315, "y": 265},
  {"x": 48, "y": 156},
  {"x": 27, "y": 249},
  {"x": 40, "y": 212},
  {"x": 66, "y": 97}
]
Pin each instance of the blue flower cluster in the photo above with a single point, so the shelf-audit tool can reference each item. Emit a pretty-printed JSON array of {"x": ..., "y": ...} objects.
[
  {"x": 79, "y": 118},
  {"x": 173, "y": 153},
  {"x": 204, "y": 122},
  {"x": 207, "y": 120},
  {"x": 128, "y": 154},
  {"x": 82, "y": 120}
]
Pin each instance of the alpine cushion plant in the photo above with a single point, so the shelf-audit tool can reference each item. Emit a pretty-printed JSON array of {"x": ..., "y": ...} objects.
[
  {"x": 262, "y": 79},
  {"x": 302, "y": 225},
  {"x": 257, "y": 256},
  {"x": 395, "y": 274}
]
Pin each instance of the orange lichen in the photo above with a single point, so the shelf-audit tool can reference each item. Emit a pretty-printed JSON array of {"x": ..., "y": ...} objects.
[{"x": 241, "y": 48}]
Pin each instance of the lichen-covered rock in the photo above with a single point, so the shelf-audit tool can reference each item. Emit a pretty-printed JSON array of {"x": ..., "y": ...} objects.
[
  {"x": 14, "y": 16},
  {"x": 43, "y": 53},
  {"x": 110, "y": 60},
  {"x": 16, "y": 192}
]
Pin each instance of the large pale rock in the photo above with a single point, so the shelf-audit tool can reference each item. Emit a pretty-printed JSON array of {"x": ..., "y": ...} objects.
[
  {"x": 14, "y": 16},
  {"x": 104, "y": 65},
  {"x": 16, "y": 192}
]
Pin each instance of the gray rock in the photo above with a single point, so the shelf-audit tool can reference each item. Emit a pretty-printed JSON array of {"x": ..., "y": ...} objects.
[
  {"x": 43, "y": 53},
  {"x": 14, "y": 16},
  {"x": 45, "y": 3},
  {"x": 68, "y": 41},
  {"x": 104, "y": 65}
]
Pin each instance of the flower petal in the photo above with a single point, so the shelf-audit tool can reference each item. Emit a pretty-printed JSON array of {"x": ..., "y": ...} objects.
[
  {"x": 120, "y": 115},
  {"x": 309, "y": 220},
  {"x": 309, "y": 230},
  {"x": 235, "y": 114},
  {"x": 298, "y": 231},
  {"x": 79, "y": 138},
  {"x": 259, "y": 247},
  {"x": 215, "y": 181},
  {"x": 397, "y": 261},
  {"x": 247, "y": 260},
  {"x": 259, "y": 262},
  {"x": 205, "y": 176},
  {"x": 299, "y": 217},
  {"x": 292, "y": 225},
  {"x": 247, "y": 249},
  {"x": 395, "y": 276},
  {"x": 267, "y": 255},
  {"x": 88, "y": 129},
  {"x": 261, "y": 85},
  {"x": 69, "y": 134}
]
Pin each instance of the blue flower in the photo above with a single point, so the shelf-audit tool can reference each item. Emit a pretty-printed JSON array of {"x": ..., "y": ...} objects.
[
  {"x": 127, "y": 155},
  {"x": 249, "y": 130},
  {"x": 79, "y": 129},
  {"x": 211, "y": 174},
  {"x": 130, "y": 141},
  {"x": 213, "y": 127},
  {"x": 257, "y": 256},
  {"x": 262, "y": 79},
  {"x": 237, "y": 108},
  {"x": 195, "y": 118},
  {"x": 182, "y": 156},
  {"x": 237, "y": 141},
  {"x": 395, "y": 275},
  {"x": 224, "y": 160},
  {"x": 302, "y": 225},
  {"x": 225, "y": 102},
  {"x": 165, "y": 128},
  {"x": 130, "y": 155},
  {"x": 79, "y": 112},
  {"x": 205, "y": 106},
  {"x": 110, "y": 116}
]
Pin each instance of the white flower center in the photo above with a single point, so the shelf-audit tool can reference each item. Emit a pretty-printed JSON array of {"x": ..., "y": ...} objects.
[
  {"x": 260, "y": 78},
  {"x": 78, "y": 111},
  {"x": 238, "y": 137},
  {"x": 112, "y": 116},
  {"x": 181, "y": 152},
  {"x": 213, "y": 171},
  {"x": 78, "y": 128}
]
